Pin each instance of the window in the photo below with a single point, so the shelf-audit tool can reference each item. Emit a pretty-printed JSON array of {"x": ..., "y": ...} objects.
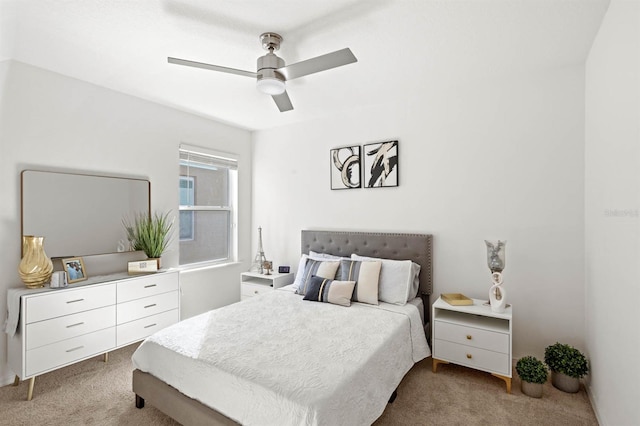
[{"x": 208, "y": 194}]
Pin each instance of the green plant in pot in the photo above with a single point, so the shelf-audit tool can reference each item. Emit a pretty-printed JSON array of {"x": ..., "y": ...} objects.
[
  {"x": 533, "y": 374},
  {"x": 150, "y": 233},
  {"x": 567, "y": 365}
]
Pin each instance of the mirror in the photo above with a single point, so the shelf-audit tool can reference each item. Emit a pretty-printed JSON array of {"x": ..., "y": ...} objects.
[{"x": 80, "y": 215}]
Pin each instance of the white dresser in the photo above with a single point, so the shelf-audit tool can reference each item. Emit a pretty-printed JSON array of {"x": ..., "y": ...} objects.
[
  {"x": 61, "y": 327},
  {"x": 473, "y": 336}
]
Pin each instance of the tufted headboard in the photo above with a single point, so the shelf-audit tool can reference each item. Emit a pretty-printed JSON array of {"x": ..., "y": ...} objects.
[{"x": 415, "y": 247}]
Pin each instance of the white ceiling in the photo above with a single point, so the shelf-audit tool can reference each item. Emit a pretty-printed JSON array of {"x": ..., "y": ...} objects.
[{"x": 400, "y": 45}]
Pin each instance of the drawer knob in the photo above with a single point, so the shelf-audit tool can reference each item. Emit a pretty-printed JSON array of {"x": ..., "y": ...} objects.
[
  {"x": 150, "y": 285},
  {"x": 150, "y": 306},
  {"x": 255, "y": 291},
  {"x": 74, "y": 349},
  {"x": 468, "y": 337},
  {"x": 469, "y": 356},
  {"x": 75, "y": 301},
  {"x": 150, "y": 325}
]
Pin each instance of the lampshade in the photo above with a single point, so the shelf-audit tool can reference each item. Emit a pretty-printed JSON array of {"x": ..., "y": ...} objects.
[{"x": 270, "y": 86}]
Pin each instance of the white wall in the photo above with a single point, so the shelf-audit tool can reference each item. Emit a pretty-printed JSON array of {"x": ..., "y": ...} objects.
[
  {"x": 479, "y": 160},
  {"x": 48, "y": 121},
  {"x": 612, "y": 215}
]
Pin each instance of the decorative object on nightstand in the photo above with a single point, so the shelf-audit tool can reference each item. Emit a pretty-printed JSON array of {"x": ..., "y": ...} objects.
[
  {"x": 267, "y": 265},
  {"x": 533, "y": 374},
  {"x": 258, "y": 262},
  {"x": 473, "y": 336},
  {"x": 255, "y": 283},
  {"x": 567, "y": 365},
  {"x": 150, "y": 233},
  {"x": 496, "y": 263},
  {"x": 35, "y": 268},
  {"x": 456, "y": 299}
]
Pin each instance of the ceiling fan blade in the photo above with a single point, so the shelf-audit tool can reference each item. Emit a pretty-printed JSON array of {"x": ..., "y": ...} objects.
[
  {"x": 211, "y": 67},
  {"x": 283, "y": 102},
  {"x": 317, "y": 64}
]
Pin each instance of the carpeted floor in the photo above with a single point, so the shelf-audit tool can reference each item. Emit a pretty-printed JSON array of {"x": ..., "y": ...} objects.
[{"x": 96, "y": 393}]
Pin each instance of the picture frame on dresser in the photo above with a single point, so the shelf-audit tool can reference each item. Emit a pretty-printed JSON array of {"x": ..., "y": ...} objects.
[{"x": 75, "y": 269}]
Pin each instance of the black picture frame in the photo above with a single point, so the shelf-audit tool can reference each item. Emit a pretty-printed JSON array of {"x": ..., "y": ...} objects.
[
  {"x": 381, "y": 166},
  {"x": 345, "y": 163}
]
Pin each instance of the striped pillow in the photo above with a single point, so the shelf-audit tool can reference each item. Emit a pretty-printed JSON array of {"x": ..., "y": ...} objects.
[
  {"x": 366, "y": 275},
  {"x": 329, "y": 291},
  {"x": 319, "y": 268}
]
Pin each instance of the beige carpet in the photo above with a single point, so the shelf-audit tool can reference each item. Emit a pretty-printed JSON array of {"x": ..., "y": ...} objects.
[{"x": 95, "y": 393}]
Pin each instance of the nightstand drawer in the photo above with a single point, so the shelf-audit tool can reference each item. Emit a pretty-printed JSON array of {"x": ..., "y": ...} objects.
[
  {"x": 470, "y": 336},
  {"x": 137, "y": 330},
  {"x": 69, "y": 326},
  {"x": 51, "y": 305},
  {"x": 61, "y": 353},
  {"x": 250, "y": 290},
  {"x": 141, "y": 308},
  {"x": 472, "y": 357},
  {"x": 147, "y": 286}
]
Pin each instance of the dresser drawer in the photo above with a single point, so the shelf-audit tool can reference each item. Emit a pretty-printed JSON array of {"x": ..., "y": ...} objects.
[
  {"x": 469, "y": 356},
  {"x": 139, "y": 329},
  {"x": 46, "y": 332},
  {"x": 141, "y": 308},
  {"x": 58, "y": 354},
  {"x": 147, "y": 286},
  {"x": 471, "y": 336},
  {"x": 65, "y": 302},
  {"x": 250, "y": 290}
]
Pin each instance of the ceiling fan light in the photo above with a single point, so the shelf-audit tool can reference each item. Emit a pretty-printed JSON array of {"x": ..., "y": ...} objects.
[{"x": 270, "y": 86}]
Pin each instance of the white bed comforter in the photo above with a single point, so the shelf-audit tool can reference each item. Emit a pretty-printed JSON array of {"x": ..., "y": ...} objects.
[{"x": 279, "y": 360}]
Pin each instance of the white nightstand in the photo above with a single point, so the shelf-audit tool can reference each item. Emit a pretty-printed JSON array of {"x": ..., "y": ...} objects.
[
  {"x": 473, "y": 336},
  {"x": 255, "y": 283}
]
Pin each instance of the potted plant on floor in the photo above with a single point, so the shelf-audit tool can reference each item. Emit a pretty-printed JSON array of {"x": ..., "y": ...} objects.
[
  {"x": 150, "y": 233},
  {"x": 567, "y": 365},
  {"x": 533, "y": 374}
]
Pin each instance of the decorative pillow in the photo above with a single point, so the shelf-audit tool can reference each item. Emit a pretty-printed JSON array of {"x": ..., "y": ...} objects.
[
  {"x": 366, "y": 275},
  {"x": 399, "y": 280},
  {"x": 302, "y": 264},
  {"x": 319, "y": 268},
  {"x": 329, "y": 291},
  {"x": 328, "y": 256}
]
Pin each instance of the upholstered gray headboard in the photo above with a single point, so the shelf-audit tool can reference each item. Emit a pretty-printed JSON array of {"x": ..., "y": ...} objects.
[{"x": 415, "y": 247}]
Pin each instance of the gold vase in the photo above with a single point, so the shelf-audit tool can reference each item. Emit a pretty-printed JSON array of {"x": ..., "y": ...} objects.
[{"x": 35, "y": 268}]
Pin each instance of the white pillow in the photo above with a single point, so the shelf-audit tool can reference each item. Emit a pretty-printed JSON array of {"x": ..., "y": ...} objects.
[{"x": 399, "y": 280}]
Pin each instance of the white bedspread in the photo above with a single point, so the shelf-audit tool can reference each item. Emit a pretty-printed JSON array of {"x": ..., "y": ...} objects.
[{"x": 279, "y": 360}]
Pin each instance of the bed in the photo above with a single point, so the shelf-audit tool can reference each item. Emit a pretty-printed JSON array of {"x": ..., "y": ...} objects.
[{"x": 279, "y": 359}]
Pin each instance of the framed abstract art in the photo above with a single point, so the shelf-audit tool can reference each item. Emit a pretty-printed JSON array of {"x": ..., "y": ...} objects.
[
  {"x": 345, "y": 167},
  {"x": 381, "y": 164}
]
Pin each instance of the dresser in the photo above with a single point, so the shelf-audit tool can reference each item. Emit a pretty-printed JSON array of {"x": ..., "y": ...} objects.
[
  {"x": 59, "y": 327},
  {"x": 254, "y": 283},
  {"x": 473, "y": 336}
]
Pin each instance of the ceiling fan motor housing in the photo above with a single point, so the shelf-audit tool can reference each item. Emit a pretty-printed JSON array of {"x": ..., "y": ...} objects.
[{"x": 267, "y": 66}]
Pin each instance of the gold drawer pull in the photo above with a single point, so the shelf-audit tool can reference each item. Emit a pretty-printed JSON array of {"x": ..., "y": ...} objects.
[
  {"x": 74, "y": 301},
  {"x": 468, "y": 337},
  {"x": 150, "y": 325},
  {"x": 150, "y": 306},
  {"x": 75, "y": 349},
  {"x": 469, "y": 356},
  {"x": 75, "y": 325},
  {"x": 150, "y": 285}
]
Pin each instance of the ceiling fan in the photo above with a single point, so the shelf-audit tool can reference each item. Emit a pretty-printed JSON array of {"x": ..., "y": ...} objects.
[{"x": 272, "y": 74}]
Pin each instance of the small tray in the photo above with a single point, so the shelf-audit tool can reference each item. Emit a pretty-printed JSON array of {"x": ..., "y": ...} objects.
[{"x": 456, "y": 299}]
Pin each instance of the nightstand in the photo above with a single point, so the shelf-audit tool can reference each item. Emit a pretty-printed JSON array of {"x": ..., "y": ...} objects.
[
  {"x": 473, "y": 336},
  {"x": 255, "y": 283}
]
